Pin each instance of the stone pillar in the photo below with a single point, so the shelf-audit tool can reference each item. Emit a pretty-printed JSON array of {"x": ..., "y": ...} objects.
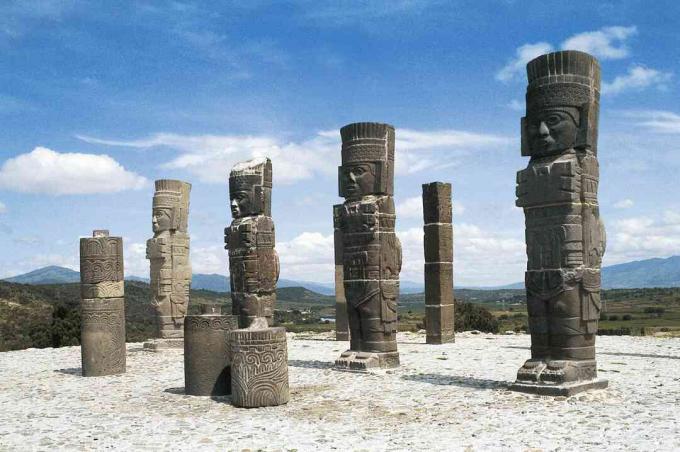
[
  {"x": 565, "y": 236},
  {"x": 168, "y": 253},
  {"x": 207, "y": 370},
  {"x": 438, "y": 244},
  {"x": 341, "y": 321},
  {"x": 102, "y": 336},
  {"x": 259, "y": 366},
  {"x": 371, "y": 255},
  {"x": 259, "y": 369}
]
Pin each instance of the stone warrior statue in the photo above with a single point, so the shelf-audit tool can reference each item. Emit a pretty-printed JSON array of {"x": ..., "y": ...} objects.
[
  {"x": 168, "y": 252},
  {"x": 371, "y": 250},
  {"x": 259, "y": 360},
  {"x": 564, "y": 234},
  {"x": 102, "y": 304}
]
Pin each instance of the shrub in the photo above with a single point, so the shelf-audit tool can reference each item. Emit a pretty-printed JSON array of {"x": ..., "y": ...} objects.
[
  {"x": 613, "y": 317},
  {"x": 474, "y": 317},
  {"x": 627, "y": 317}
]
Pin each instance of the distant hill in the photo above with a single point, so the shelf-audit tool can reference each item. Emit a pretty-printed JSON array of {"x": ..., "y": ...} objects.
[
  {"x": 655, "y": 272},
  {"x": 47, "y": 275}
]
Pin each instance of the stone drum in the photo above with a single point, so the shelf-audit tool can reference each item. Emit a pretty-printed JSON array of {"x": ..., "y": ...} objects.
[
  {"x": 206, "y": 352},
  {"x": 438, "y": 244},
  {"x": 564, "y": 234},
  {"x": 102, "y": 305},
  {"x": 371, "y": 257}
]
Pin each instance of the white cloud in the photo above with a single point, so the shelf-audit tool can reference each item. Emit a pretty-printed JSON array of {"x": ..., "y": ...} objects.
[
  {"x": 516, "y": 105},
  {"x": 636, "y": 79},
  {"x": 657, "y": 121},
  {"x": 46, "y": 171},
  {"x": 638, "y": 238},
  {"x": 3, "y": 208},
  {"x": 210, "y": 157},
  {"x": 624, "y": 204},
  {"x": 606, "y": 43},
  {"x": 308, "y": 257},
  {"x": 523, "y": 55}
]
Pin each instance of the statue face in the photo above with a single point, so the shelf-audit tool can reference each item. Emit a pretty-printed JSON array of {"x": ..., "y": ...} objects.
[
  {"x": 358, "y": 179},
  {"x": 161, "y": 219},
  {"x": 553, "y": 130},
  {"x": 241, "y": 204}
]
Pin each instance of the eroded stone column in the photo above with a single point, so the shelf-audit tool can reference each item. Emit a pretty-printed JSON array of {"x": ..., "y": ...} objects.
[
  {"x": 207, "y": 370},
  {"x": 168, "y": 253},
  {"x": 438, "y": 244},
  {"x": 371, "y": 250},
  {"x": 341, "y": 321},
  {"x": 259, "y": 366},
  {"x": 565, "y": 236},
  {"x": 102, "y": 305}
]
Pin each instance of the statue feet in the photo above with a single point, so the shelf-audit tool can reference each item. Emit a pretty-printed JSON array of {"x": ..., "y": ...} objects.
[
  {"x": 558, "y": 377},
  {"x": 363, "y": 361}
]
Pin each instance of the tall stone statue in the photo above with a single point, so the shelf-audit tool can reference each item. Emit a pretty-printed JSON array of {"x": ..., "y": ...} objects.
[
  {"x": 371, "y": 250},
  {"x": 564, "y": 234},
  {"x": 341, "y": 321},
  {"x": 168, "y": 252},
  {"x": 259, "y": 360},
  {"x": 438, "y": 244},
  {"x": 102, "y": 305}
]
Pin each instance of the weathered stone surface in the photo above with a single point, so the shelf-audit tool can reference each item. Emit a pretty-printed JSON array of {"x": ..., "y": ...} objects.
[
  {"x": 565, "y": 237},
  {"x": 371, "y": 257},
  {"x": 250, "y": 239},
  {"x": 168, "y": 252},
  {"x": 207, "y": 370},
  {"x": 341, "y": 320},
  {"x": 259, "y": 367},
  {"x": 438, "y": 246},
  {"x": 102, "y": 305}
]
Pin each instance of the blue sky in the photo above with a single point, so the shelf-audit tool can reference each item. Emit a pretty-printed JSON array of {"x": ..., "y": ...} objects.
[{"x": 97, "y": 100}]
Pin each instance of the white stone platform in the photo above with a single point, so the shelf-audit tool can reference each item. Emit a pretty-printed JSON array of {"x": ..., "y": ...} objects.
[{"x": 443, "y": 397}]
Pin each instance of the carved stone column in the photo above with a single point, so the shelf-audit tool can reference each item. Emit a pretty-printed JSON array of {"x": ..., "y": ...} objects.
[
  {"x": 341, "y": 321},
  {"x": 259, "y": 366},
  {"x": 565, "y": 236},
  {"x": 102, "y": 305},
  {"x": 371, "y": 255},
  {"x": 168, "y": 253},
  {"x": 438, "y": 244},
  {"x": 207, "y": 370}
]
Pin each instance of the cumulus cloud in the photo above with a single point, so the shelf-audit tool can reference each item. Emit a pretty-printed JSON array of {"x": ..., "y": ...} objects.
[
  {"x": 606, "y": 43},
  {"x": 636, "y": 79},
  {"x": 624, "y": 204},
  {"x": 210, "y": 157},
  {"x": 525, "y": 53},
  {"x": 46, "y": 171},
  {"x": 659, "y": 121},
  {"x": 638, "y": 238}
]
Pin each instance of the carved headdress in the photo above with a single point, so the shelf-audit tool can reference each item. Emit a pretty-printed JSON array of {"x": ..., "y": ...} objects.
[
  {"x": 174, "y": 194},
  {"x": 370, "y": 142},
  {"x": 254, "y": 177},
  {"x": 566, "y": 79}
]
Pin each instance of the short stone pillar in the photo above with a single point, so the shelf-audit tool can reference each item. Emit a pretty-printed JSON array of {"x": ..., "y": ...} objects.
[
  {"x": 259, "y": 367},
  {"x": 206, "y": 352},
  {"x": 438, "y": 244},
  {"x": 341, "y": 320},
  {"x": 102, "y": 334}
]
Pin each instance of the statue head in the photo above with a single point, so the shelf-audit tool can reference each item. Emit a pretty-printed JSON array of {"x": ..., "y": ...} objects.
[
  {"x": 250, "y": 188},
  {"x": 367, "y": 160},
  {"x": 170, "y": 206},
  {"x": 562, "y": 103}
]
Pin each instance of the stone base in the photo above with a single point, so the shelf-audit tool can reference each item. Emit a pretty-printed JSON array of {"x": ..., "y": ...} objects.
[
  {"x": 341, "y": 336},
  {"x": 438, "y": 340},
  {"x": 162, "y": 345},
  {"x": 363, "y": 361},
  {"x": 566, "y": 390}
]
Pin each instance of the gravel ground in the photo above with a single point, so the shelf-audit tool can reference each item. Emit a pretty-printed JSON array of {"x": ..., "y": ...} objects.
[{"x": 443, "y": 397}]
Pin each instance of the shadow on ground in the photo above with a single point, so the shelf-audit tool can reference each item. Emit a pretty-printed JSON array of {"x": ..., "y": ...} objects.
[
  {"x": 71, "y": 371},
  {"x": 635, "y": 355},
  {"x": 311, "y": 364},
  {"x": 452, "y": 380},
  {"x": 178, "y": 391}
]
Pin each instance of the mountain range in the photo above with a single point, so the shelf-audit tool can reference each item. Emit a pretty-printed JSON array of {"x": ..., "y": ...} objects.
[{"x": 655, "y": 272}]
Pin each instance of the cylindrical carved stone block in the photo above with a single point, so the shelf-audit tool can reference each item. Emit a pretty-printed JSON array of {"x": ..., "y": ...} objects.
[
  {"x": 206, "y": 352},
  {"x": 438, "y": 244},
  {"x": 259, "y": 367},
  {"x": 102, "y": 305}
]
